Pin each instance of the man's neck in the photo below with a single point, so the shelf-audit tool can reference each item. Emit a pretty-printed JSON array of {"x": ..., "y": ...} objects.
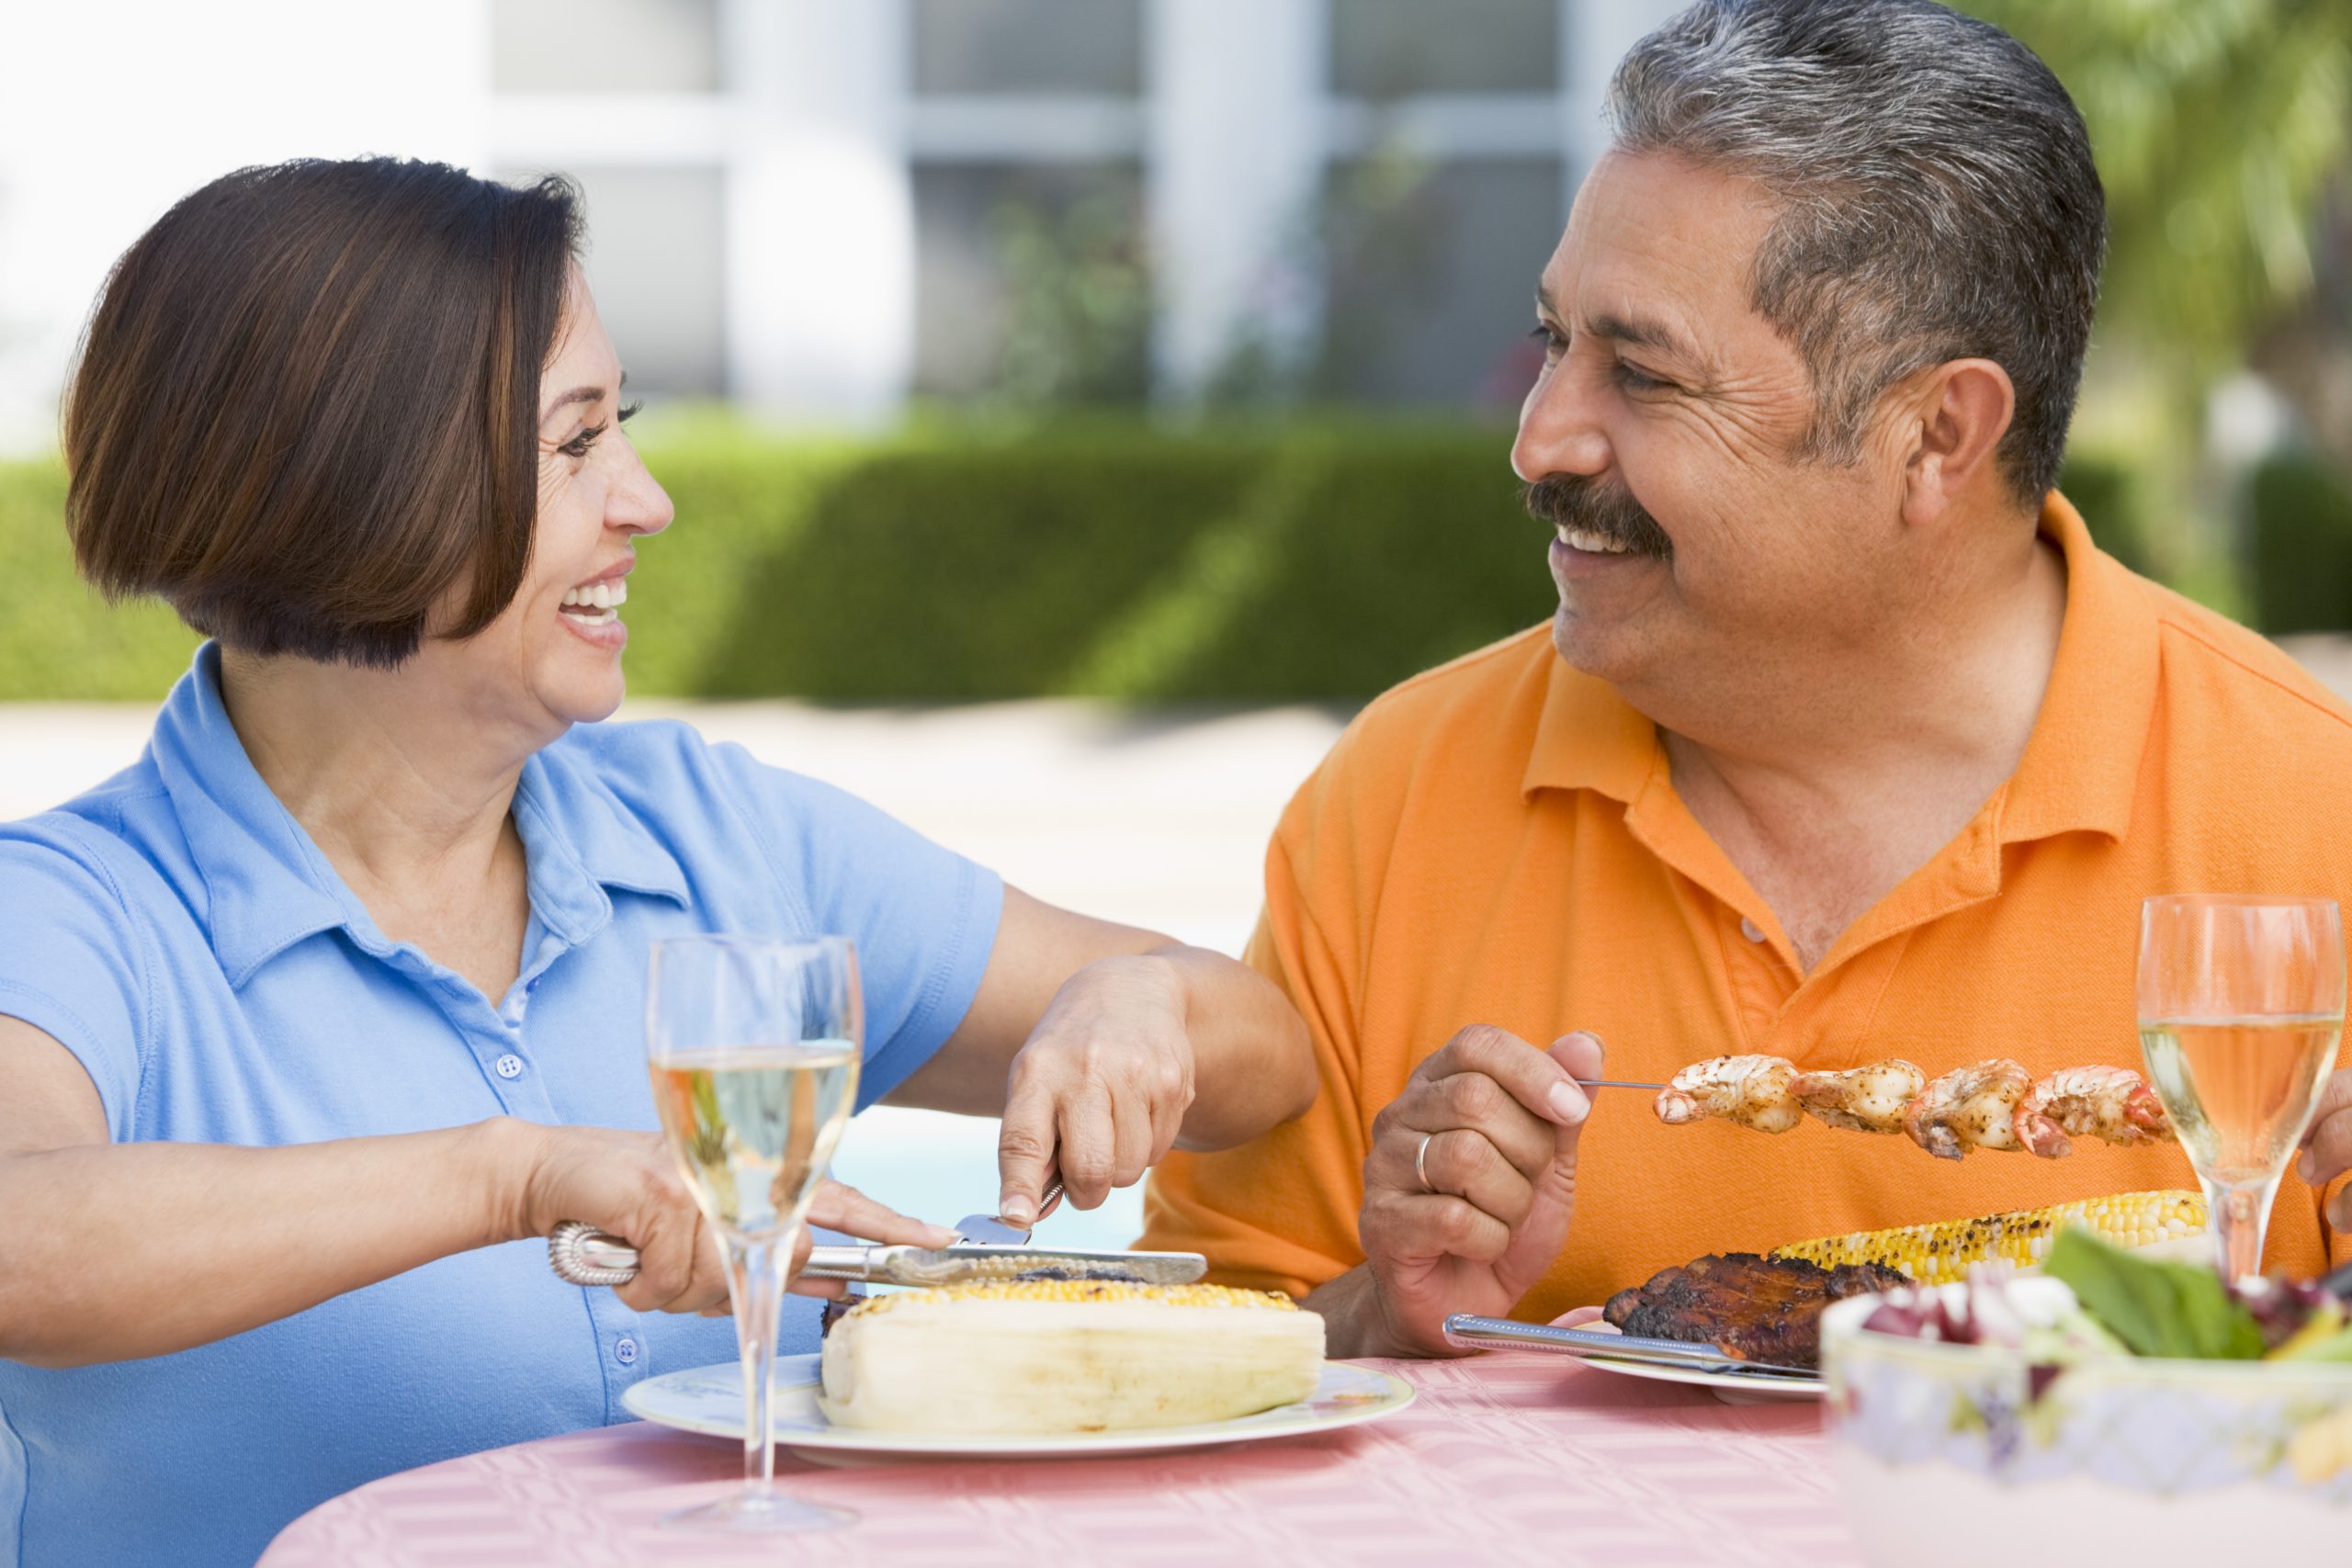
[{"x": 1831, "y": 788}]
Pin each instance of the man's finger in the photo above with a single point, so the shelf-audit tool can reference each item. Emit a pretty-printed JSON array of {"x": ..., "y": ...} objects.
[
  {"x": 2327, "y": 1150},
  {"x": 1475, "y": 1101},
  {"x": 2334, "y": 1098},
  {"x": 1402, "y": 1226},
  {"x": 1462, "y": 1163},
  {"x": 1531, "y": 1076}
]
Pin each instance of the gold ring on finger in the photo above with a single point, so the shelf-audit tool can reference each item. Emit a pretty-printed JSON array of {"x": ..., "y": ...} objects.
[{"x": 1421, "y": 1164}]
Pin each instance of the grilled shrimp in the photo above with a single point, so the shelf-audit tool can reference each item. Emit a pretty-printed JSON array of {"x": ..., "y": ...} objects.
[
  {"x": 2113, "y": 1103},
  {"x": 1971, "y": 1107},
  {"x": 1868, "y": 1098},
  {"x": 1751, "y": 1090}
]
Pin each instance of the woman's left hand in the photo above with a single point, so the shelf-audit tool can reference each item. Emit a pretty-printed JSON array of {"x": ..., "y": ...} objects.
[{"x": 1098, "y": 1093}]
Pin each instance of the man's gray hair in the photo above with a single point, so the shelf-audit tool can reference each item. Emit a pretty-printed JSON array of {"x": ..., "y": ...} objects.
[{"x": 1936, "y": 197}]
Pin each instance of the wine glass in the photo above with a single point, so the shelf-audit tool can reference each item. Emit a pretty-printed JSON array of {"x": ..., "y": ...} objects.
[
  {"x": 2241, "y": 1005},
  {"x": 754, "y": 1046}
]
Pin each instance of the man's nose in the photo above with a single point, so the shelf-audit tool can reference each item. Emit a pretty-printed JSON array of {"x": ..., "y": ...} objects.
[{"x": 1559, "y": 426}]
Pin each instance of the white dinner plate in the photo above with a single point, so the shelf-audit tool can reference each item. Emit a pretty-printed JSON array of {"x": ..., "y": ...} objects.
[
  {"x": 710, "y": 1399},
  {"x": 1732, "y": 1388}
]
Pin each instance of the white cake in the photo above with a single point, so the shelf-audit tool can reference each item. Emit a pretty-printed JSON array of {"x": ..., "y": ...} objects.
[{"x": 1066, "y": 1356}]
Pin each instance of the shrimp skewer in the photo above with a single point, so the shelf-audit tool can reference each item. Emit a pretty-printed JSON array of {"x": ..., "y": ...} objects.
[
  {"x": 1750, "y": 1090},
  {"x": 2113, "y": 1103},
  {"x": 1971, "y": 1107},
  {"x": 1868, "y": 1098}
]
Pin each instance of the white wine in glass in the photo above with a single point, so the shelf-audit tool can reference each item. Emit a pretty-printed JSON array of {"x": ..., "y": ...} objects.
[
  {"x": 2240, "y": 1009},
  {"x": 753, "y": 1045}
]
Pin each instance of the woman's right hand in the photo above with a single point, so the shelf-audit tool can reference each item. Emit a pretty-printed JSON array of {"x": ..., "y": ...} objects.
[{"x": 626, "y": 1184}]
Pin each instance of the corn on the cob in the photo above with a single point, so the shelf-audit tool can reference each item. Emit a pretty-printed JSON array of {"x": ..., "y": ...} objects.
[
  {"x": 1935, "y": 1254},
  {"x": 1066, "y": 1355}
]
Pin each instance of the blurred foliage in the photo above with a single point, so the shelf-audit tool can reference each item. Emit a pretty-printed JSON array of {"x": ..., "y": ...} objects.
[
  {"x": 2301, "y": 547},
  {"x": 1078, "y": 301},
  {"x": 2217, "y": 125},
  {"x": 1096, "y": 556}
]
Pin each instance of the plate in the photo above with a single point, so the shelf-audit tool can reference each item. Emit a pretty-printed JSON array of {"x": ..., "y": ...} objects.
[
  {"x": 710, "y": 1399},
  {"x": 1732, "y": 1388}
]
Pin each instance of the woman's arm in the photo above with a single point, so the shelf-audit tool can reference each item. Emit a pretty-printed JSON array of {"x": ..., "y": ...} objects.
[
  {"x": 120, "y": 1250},
  {"x": 1104, "y": 1045}
]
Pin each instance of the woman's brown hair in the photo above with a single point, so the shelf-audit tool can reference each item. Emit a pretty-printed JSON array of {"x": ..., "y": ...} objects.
[{"x": 307, "y": 405}]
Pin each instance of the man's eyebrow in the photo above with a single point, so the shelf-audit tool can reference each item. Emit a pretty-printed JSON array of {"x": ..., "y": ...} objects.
[{"x": 1634, "y": 330}]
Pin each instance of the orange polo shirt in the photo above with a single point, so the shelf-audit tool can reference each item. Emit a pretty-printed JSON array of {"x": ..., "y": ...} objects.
[{"x": 1499, "y": 841}]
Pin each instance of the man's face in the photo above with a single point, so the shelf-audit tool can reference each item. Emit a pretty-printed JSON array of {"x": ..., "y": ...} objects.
[{"x": 1662, "y": 437}]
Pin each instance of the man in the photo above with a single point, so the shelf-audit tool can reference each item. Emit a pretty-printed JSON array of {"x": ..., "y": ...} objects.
[{"x": 1845, "y": 742}]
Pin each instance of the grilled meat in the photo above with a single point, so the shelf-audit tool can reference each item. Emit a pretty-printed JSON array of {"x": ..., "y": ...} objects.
[{"x": 1758, "y": 1309}]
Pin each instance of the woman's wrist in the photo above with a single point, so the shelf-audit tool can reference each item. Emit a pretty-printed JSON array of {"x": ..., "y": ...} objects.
[{"x": 497, "y": 1165}]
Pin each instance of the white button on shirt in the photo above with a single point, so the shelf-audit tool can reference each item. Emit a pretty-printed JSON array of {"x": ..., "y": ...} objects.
[
  {"x": 509, "y": 1066},
  {"x": 1747, "y": 929}
]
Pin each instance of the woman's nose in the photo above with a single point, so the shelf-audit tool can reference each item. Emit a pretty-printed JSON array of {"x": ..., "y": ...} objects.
[{"x": 637, "y": 504}]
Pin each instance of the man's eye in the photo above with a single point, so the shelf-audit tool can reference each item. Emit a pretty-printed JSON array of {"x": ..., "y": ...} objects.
[
  {"x": 1633, "y": 380},
  {"x": 1553, "y": 342}
]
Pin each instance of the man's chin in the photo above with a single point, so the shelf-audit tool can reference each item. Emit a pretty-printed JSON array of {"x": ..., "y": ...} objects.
[{"x": 1601, "y": 651}]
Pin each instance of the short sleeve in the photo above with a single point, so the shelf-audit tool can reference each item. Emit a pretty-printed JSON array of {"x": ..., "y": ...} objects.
[
  {"x": 69, "y": 963},
  {"x": 923, "y": 917}
]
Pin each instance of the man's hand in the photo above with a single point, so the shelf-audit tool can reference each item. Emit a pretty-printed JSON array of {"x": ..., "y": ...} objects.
[
  {"x": 1100, "y": 1089},
  {"x": 1492, "y": 1124},
  {"x": 2327, "y": 1147}
]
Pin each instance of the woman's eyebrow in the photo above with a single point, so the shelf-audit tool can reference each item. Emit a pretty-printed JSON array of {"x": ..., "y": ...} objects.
[{"x": 578, "y": 395}]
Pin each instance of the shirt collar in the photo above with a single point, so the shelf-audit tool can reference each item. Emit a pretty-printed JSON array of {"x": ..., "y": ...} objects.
[
  {"x": 268, "y": 886},
  {"x": 2081, "y": 765}
]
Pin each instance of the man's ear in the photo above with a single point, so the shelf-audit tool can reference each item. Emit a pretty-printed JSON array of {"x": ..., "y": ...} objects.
[{"x": 1960, "y": 411}]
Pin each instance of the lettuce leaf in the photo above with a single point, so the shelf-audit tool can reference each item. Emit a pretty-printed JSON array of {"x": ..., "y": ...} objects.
[{"x": 2156, "y": 1309}]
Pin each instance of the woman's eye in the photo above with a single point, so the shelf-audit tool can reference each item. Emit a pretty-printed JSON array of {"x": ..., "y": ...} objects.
[{"x": 579, "y": 445}]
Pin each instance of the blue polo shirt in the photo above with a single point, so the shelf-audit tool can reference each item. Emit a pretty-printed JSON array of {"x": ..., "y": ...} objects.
[{"x": 180, "y": 934}]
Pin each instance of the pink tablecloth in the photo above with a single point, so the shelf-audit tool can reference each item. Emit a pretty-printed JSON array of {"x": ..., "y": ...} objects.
[{"x": 1503, "y": 1459}]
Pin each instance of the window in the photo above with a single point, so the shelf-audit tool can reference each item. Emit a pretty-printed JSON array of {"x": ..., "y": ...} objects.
[
  {"x": 1028, "y": 46},
  {"x": 1383, "y": 48},
  {"x": 656, "y": 262},
  {"x": 604, "y": 46}
]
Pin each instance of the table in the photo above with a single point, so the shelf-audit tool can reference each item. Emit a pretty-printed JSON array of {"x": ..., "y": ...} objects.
[{"x": 1504, "y": 1458}]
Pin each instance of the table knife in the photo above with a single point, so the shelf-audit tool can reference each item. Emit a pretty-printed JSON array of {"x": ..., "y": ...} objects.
[{"x": 1504, "y": 1334}]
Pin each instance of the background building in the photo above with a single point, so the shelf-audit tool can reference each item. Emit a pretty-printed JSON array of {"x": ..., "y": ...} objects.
[{"x": 819, "y": 209}]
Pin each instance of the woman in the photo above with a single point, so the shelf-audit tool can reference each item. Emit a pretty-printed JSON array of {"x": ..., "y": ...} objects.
[{"x": 314, "y": 1020}]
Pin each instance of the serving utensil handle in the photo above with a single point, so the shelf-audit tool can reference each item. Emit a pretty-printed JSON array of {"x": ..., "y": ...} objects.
[{"x": 586, "y": 1255}]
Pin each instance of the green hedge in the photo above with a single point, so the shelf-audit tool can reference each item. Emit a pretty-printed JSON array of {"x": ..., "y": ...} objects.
[{"x": 1313, "y": 560}]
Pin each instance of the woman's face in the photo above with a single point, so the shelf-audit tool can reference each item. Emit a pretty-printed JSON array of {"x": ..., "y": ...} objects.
[{"x": 553, "y": 656}]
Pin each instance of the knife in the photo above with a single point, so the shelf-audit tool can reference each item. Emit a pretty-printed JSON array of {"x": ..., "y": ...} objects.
[{"x": 1503, "y": 1334}]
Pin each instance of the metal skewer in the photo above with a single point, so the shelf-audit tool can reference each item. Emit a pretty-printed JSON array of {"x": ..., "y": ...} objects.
[{"x": 1614, "y": 1083}]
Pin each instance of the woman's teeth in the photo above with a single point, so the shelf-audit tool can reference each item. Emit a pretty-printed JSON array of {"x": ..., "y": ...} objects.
[
  {"x": 1595, "y": 544},
  {"x": 597, "y": 603}
]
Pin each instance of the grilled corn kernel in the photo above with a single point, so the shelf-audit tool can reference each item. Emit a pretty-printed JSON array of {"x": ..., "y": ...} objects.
[{"x": 1936, "y": 1254}]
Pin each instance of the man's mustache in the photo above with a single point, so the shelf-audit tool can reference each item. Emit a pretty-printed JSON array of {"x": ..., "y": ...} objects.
[{"x": 1588, "y": 506}]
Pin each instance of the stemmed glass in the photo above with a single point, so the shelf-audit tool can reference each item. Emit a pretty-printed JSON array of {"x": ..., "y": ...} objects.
[
  {"x": 753, "y": 1045},
  {"x": 2241, "y": 1005}
]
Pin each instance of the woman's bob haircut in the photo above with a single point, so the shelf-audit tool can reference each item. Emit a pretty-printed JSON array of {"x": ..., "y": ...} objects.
[{"x": 305, "y": 411}]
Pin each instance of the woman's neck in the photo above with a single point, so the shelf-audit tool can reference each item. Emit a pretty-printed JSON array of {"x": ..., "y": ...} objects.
[{"x": 401, "y": 782}]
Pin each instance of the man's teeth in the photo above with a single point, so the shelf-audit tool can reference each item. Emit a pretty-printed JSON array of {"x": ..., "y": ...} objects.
[
  {"x": 597, "y": 596},
  {"x": 1596, "y": 544}
]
